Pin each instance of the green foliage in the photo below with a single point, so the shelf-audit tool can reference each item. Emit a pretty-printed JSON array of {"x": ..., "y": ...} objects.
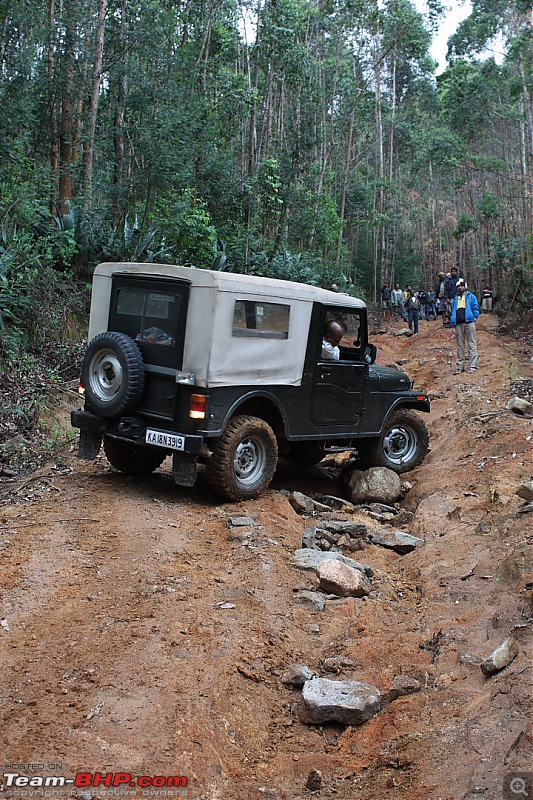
[
  {"x": 189, "y": 233},
  {"x": 465, "y": 224},
  {"x": 489, "y": 208},
  {"x": 129, "y": 242}
]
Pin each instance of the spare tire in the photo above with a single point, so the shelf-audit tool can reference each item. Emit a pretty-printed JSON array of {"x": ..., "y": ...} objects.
[{"x": 112, "y": 374}]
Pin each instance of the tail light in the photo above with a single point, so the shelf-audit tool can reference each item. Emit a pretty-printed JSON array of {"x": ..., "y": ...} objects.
[{"x": 197, "y": 406}]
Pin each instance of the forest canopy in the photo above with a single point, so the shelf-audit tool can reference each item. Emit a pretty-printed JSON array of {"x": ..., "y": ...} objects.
[{"x": 322, "y": 148}]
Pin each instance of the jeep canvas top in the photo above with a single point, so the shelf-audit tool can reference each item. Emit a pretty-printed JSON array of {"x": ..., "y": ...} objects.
[{"x": 228, "y": 369}]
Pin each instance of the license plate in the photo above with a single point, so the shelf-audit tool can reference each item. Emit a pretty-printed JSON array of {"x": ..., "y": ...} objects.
[{"x": 162, "y": 439}]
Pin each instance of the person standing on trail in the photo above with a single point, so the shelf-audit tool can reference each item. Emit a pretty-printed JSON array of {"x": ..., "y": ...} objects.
[
  {"x": 440, "y": 296},
  {"x": 413, "y": 311},
  {"x": 386, "y": 299},
  {"x": 397, "y": 302},
  {"x": 465, "y": 311},
  {"x": 486, "y": 299},
  {"x": 450, "y": 291}
]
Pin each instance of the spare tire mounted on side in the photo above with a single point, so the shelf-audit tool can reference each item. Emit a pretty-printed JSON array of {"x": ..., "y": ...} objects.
[{"x": 113, "y": 374}]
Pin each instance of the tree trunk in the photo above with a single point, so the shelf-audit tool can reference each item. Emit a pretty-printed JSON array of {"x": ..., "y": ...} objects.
[
  {"x": 120, "y": 113},
  {"x": 88, "y": 155}
]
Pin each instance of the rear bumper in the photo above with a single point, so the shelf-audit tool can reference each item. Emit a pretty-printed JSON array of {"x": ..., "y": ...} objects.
[{"x": 136, "y": 434}]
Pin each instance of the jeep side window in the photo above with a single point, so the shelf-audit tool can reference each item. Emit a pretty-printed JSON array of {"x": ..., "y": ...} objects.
[
  {"x": 350, "y": 344},
  {"x": 260, "y": 319}
]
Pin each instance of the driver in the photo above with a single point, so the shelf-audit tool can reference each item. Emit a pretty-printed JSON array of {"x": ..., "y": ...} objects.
[{"x": 333, "y": 333}]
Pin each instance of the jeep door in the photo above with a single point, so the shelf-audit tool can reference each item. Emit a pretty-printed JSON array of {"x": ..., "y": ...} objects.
[
  {"x": 152, "y": 311},
  {"x": 338, "y": 386}
]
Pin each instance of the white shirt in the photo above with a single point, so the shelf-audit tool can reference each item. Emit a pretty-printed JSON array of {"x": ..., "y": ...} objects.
[{"x": 330, "y": 351}]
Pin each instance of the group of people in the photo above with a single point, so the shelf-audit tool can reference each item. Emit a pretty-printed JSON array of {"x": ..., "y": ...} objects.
[
  {"x": 421, "y": 304},
  {"x": 451, "y": 301}
]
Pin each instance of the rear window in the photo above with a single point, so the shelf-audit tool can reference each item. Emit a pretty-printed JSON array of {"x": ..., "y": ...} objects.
[
  {"x": 148, "y": 316},
  {"x": 260, "y": 319}
]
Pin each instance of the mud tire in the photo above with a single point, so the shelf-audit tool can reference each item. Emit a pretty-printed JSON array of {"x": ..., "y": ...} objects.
[
  {"x": 244, "y": 459},
  {"x": 112, "y": 374},
  {"x": 402, "y": 446},
  {"x": 132, "y": 459}
]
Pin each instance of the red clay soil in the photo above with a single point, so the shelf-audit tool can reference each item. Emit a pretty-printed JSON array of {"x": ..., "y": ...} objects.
[{"x": 144, "y": 634}]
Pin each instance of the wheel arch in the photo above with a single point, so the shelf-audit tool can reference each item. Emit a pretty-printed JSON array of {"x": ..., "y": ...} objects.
[
  {"x": 262, "y": 405},
  {"x": 405, "y": 404}
]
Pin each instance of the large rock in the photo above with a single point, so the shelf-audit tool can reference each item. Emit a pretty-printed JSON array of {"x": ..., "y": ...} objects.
[
  {"x": 375, "y": 485},
  {"x": 342, "y": 580},
  {"x": 310, "y": 559},
  {"x": 348, "y": 702}
]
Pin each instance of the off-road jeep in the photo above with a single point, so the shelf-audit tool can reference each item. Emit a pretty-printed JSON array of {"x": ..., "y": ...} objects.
[{"x": 228, "y": 370}]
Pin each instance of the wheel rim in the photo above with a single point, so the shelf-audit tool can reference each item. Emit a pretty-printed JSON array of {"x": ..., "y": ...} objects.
[
  {"x": 106, "y": 376},
  {"x": 249, "y": 460},
  {"x": 400, "y": 445}
]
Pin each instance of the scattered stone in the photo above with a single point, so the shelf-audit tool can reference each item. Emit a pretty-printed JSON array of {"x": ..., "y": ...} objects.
[
  {"x": 404, "y": 518},
  {"x": 401, "y": 685},
  {"x": 377, "y": 484},
  {"x": 383, "y": 508},
  {"x": 337, "y": 664},
  {"x": 348, "y": 702},
  {"x": 303, "y": 504},
  {"x": 310, "y": 559},
  {"x": 342, "y": 580},
  {"x": 241, "y": 522},
  {"x": 469, "y": 659},
  {"x": 501, "y": 657},
  {"x": 297, "y": 675},
  {"x": 335, "y": 534},
  {"x": 403, "y": 332},
  {"x": 337, "y": 503},
  {"x": 398, "y": 541},
  {"x": 519, "y": 406},
  {"x": 353, "y": 529},
  {"x": 239, "y": 536},
  {"x": 313, "y": 599},
  {"x": 526, "y": 491},
  {"x": 326, "y": 536},
  {"x": 309, "y": 539},
  {"x": 314, "y": 781}
]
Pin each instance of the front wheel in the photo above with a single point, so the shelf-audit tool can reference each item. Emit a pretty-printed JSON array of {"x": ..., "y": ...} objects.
[
  {"x": 244, "y": 459},
  {"x": 132, "y": 459},
  {"x": 402, "y": 446}
]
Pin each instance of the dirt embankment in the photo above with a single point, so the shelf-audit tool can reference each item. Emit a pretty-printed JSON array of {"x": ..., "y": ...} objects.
[{"x": 142, "y": 633}]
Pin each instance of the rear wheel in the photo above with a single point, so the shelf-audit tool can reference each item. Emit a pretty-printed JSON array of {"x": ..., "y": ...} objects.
[
  {"x": 132, "y": 459},
  {"x": 244, "y": 459},
  {"x": 402, "y": 446}
]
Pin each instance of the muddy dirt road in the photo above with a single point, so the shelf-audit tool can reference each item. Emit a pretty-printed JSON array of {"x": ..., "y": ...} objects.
[{"x": 144, "y": 633}]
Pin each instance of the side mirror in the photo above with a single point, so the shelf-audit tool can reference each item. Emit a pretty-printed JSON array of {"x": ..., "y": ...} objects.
[{"x": 370, "y": 353}]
